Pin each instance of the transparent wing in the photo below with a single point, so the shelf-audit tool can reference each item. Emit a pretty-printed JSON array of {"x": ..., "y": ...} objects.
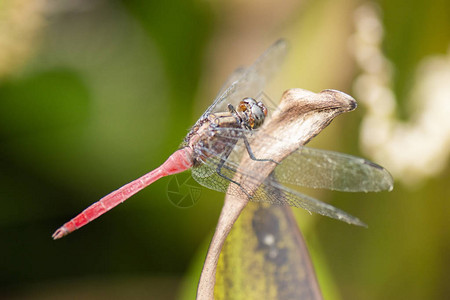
[
  {"x": 270, "y": 191},
  {"x": 305, "y": 167},
  {"x": 316, "y": 168},
  {"x": 235, "y": 76},
  {"x": 331, "y": 170},
  {"x": 249, "y": 82}
]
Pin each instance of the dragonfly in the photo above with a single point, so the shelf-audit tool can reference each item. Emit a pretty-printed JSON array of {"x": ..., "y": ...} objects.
[{"x": 224, "y": 133}]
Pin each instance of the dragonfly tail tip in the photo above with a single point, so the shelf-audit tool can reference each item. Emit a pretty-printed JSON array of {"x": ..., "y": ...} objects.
[{"x": 61, "y": 232}]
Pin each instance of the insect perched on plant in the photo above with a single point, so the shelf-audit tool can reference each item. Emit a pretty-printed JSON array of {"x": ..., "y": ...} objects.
[{"x": 225, "y": 128}]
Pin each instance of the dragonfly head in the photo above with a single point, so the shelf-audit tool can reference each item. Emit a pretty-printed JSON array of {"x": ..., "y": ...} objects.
[{"x": 252, "y": 112}]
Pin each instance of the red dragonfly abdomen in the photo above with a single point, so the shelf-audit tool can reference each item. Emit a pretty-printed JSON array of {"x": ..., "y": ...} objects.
[{"x": 179, "y": 161}]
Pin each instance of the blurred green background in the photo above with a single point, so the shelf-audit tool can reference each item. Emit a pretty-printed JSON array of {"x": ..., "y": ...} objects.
[{"x": 94, "y": 94}]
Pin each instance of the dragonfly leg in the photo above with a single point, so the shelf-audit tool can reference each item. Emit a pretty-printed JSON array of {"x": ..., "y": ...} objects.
[
  {"x": 219, "y": 171},
  {"x": 250, "y": 152}
]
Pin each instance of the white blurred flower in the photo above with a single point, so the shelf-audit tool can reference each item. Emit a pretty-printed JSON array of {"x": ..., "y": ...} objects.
[
  {"x": 21, "y": 22},
  {"x": 412, "y": 150}
]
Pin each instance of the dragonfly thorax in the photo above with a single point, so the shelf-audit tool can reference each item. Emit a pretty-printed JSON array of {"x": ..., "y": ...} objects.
[{"x": 252, "y": 113}]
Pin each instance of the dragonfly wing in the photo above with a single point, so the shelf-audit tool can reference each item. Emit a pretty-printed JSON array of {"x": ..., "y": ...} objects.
[
  {"x": 270, "y": 191},
  {"x": 252, "y": 80},
  {"x": 275, "y": 193},
  {"x": 207, "y": 176},
  {"x": 331, "y": 170},
  {"x": 207, "y": 173},
  {"x": 313, "y": 168},
  {"x": 235, "y": 76}
]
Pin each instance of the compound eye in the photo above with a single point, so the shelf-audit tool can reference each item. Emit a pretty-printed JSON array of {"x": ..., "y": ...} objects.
[
  {"x": 258, "y": 112},
  {"x": 249, "y": 101},
  {"x": 242, "y": 106},
  {"x": 246, "y": 104},
  {"x": 263, "y": 108}
]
